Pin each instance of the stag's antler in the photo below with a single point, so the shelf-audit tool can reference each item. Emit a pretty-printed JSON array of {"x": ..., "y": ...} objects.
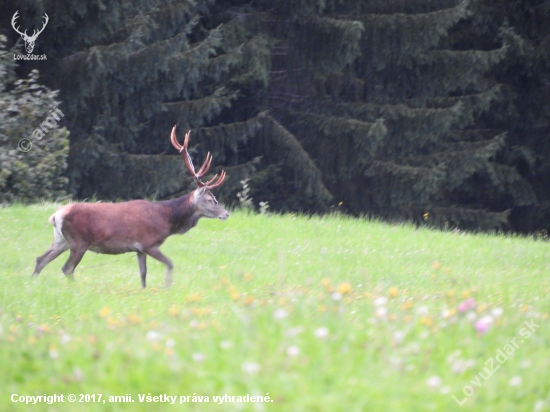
[
  {"x": 197, "y": 176},
  {"x": 24, "y": 34},
  {"x": 13, "y": 19}
]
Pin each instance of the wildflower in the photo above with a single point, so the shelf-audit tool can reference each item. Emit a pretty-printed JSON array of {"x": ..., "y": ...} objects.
[
  {"x": 104, "y": 312},
  {"x": 293, "y": 351},
  {"x": 468, "y": 304},
  {"x": 381, "y": 312},
  {"x": 248, "y": 277},
  {"x": 496, "y": 312},
  {"x": 343, "y": 288},
  {"x": 433, "y": 382},
  {"x": 280, "y": 314},
  {"x": 422, "y": 310},
  {"x": 54, "y": 354},
  {"x": 336, "y": 296},
  {"x": 398, "y": 336},
  {"x": 152, "y": 335},
  {"x": 525, "y": 363},
  {"x": 65, "y": 338},
  {"x": 78, "y": 375},
  {"x": 515, "y": 381},
  {"x": 483, "y": 324},
  {"x": 193, "y": 298},
  {"x": 198, "y": 357},
  {"x": 393, "y": 292},
  {"x": 251, "y": 368},
  {"x": 294, "y": 331},
  {"x": 225, "y": 344},
  {"x": 380, "y": 301},
  {"x": 173, "y": 310},
  {"x": 436, "y": 265},
  {"x": 170, "y": 343},
  {"x": 321, "y": 333}
]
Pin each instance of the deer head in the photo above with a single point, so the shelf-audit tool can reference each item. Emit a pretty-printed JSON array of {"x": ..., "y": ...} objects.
[
  {"x": 205, "y": 201},
  {"x": 29, "y": 40}
]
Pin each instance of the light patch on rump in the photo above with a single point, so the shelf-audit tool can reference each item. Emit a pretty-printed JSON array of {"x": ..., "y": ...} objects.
[{"x": 57, "y": 222}]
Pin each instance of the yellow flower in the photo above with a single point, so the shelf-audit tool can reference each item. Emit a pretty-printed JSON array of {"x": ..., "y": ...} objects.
[
  {"x": 466, "y": 294},
  {"x": 32, "y": 340},
  {"x": 343, "y": 288},
  {"x": 450, "y": 293},
  {"x": 133, "y": 319},
  {"x": 104, "y": 312},
  {"x": 193, "y": 298},
  {"x": 393, "y": 292},
  {"x": 224, "y": 281},
  {"x": 325, "y": 281},
  {"x": 426, "y": 321},
  {"x": 249, "y": 300},
  {"x": 173, "y": 310},
  {"x": 481, "y": 308},
  {"x": 407, "y": 305},
  {"x": 436, "y": 265},
  {"x": 248, "y": 277},
  {"x": 156, "y": 346}
]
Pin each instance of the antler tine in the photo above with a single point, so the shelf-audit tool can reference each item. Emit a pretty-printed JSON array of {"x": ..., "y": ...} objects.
[
  {"x": 189, "y": 163},
  {"x": 219, "y": 182},
  {"x": 205, "y": 166},
  {"x": 13, "y": 23},
  {"x": 184, "y": 152},
  {"x": 174, "y": 140}
]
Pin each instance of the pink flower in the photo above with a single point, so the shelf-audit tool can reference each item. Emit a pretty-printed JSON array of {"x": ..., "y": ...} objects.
[
  {"x": 468, "y": 304},
  {"x": 483, "y": 324}
]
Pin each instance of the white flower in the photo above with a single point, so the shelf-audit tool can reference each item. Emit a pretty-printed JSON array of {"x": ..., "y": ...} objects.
[
  {"x": 251, "y": 367},
  {"x": 398, "y": 336},
  {"x": 198, "y": 357},
  {"x": 380, "y": 301},
  {"x": 293, "y": 351},
  {"x": 321, "y": 333},
  {"x": 336, "y": 296},
  {"x": 381, "y": 312},
  {"x": 65, "y": 338},
  {"x": 54, "y": 354},
  {"x": 294, "y": 331},
  {"x": 170, "y": 343},
  {"x": 225, "y": 344},
  {"x": 422, "y": 310},
  {"x": 152, "y": 335},
  {"x": 433, "y": 382},
  {"x": 496, "y": 312},
  {"x": 526, "y": 363},
  {"x": 515, "y": 381},
  {"x": 77, "y": 374},
  {"x": 280, "y": 314}
]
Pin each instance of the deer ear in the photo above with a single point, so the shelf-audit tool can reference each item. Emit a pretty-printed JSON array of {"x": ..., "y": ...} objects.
[{"x": 200, "y": 191}]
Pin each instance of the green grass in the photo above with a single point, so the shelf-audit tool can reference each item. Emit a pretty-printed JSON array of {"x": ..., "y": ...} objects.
[{"x": 250, "y": 296}]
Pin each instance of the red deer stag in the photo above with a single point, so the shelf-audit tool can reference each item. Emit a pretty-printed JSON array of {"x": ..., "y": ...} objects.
[{"x": 137, "y": 226}]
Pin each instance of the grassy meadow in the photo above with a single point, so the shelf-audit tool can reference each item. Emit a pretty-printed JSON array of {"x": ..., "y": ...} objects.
[{"x": 303, "y": 314}]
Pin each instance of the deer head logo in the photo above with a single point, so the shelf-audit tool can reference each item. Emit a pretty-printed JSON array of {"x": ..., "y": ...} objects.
[{"x": 29, "y": 40}]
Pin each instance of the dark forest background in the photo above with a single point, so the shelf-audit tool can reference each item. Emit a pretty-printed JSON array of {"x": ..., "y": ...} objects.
[{"x": 435, "y": 111}]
